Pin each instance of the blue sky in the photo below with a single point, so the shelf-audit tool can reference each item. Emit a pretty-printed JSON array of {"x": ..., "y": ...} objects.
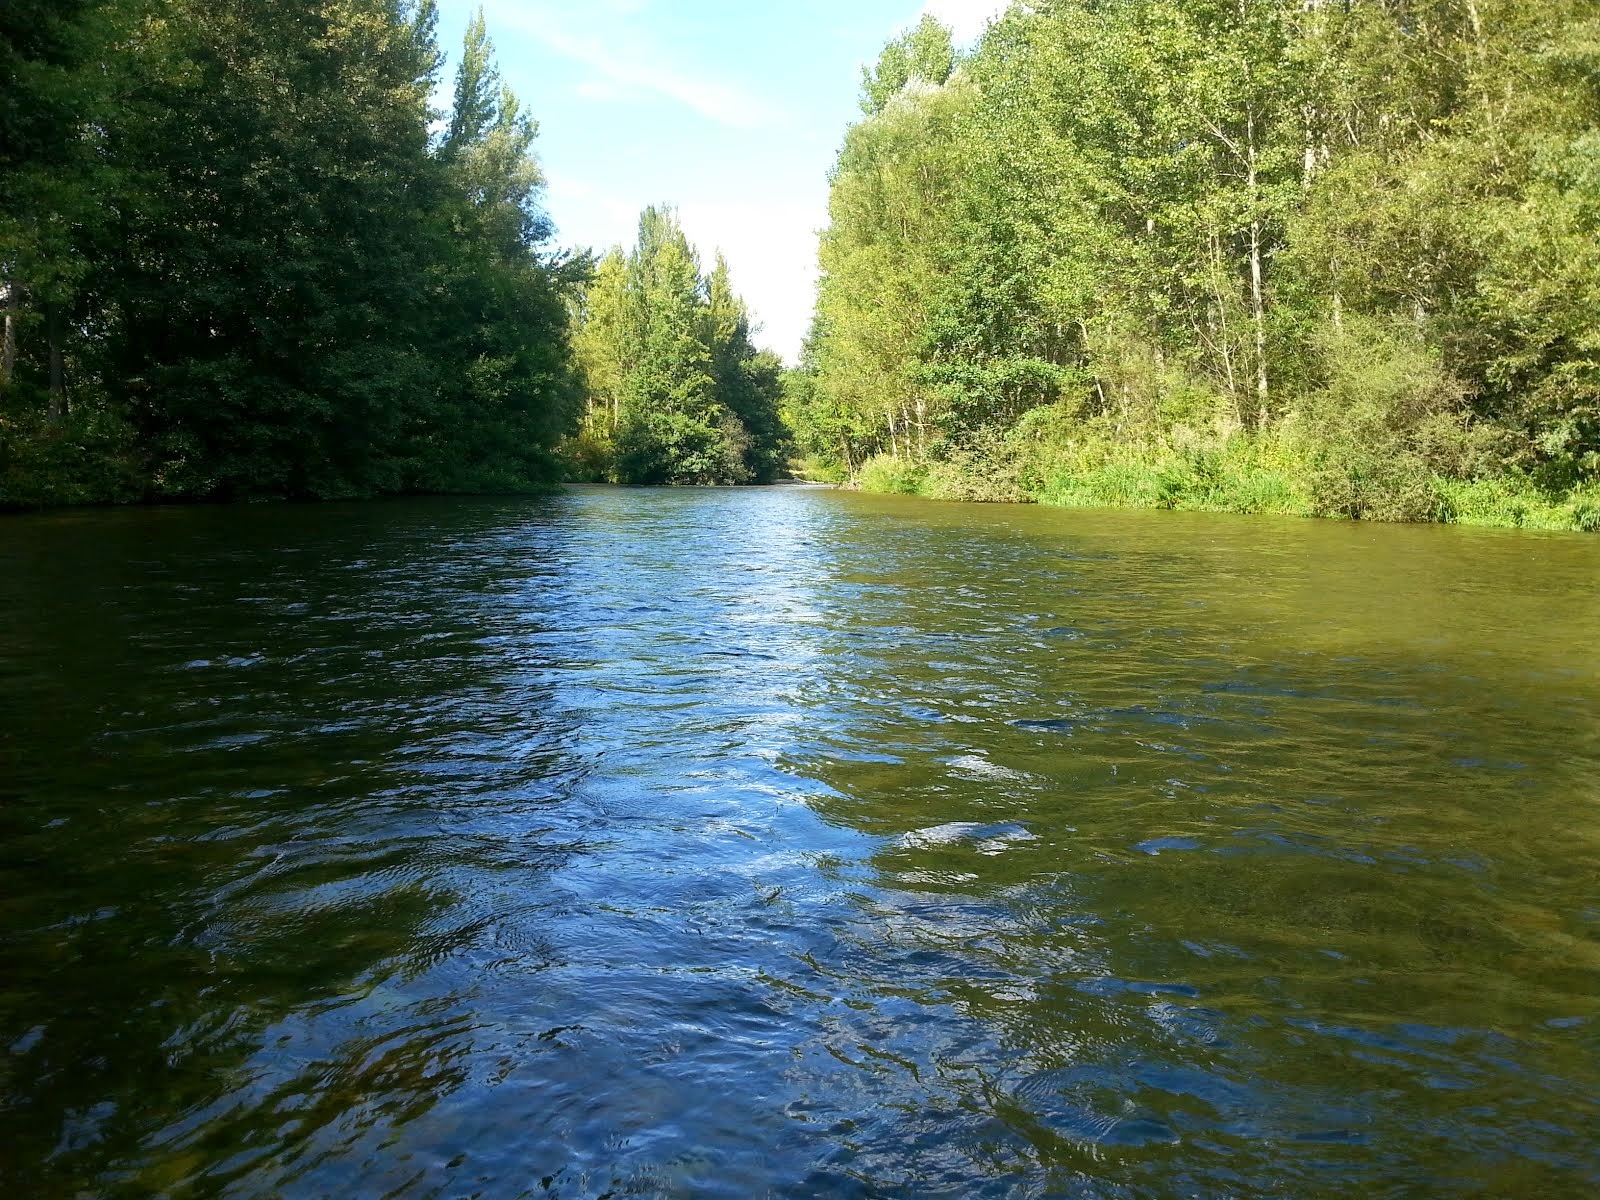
[{"x": 730, "y": 110}]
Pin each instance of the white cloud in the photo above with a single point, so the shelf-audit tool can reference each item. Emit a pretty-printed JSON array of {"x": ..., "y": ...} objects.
[
  {"x": 586, "y": 216},
  {"x": 720, "y": 102},
  {"x": 968, "y": 18},
  {"x": 598, "y": 89}
]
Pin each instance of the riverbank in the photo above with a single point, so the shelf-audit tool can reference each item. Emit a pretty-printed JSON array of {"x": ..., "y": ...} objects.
[{"x": 1274, "y": 474}]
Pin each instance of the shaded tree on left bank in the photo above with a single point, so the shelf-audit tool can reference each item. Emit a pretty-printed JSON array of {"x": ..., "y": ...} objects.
[{"x": 238, "y": 263}]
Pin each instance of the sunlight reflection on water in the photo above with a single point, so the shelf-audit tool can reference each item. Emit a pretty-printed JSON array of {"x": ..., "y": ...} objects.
[{"x": 794, "y": 843}]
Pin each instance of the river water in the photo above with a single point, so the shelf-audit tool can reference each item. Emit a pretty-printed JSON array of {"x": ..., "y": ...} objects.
[{"x": 792, "y": 843}]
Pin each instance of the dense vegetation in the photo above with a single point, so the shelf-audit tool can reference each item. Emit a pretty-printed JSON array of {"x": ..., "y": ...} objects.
[
  {"x": 676, "y": 392},
  {"x": 243, "y": 258},
  {"x": 1257, "y": 255}
]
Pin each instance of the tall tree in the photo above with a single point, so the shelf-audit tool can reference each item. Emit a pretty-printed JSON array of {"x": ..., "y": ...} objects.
[
  {"x": 671, "y": 425},
  {"x": 474, "y": 108},
  {"x": 235, "y": 261},
  {"x": 1355, "y": 240},
  {"x": 677, "y": 392},
  {"x": 511, "y": 392}
]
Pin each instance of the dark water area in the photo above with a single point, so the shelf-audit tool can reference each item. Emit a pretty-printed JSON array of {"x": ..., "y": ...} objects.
[{"x": 791, "y": 843}]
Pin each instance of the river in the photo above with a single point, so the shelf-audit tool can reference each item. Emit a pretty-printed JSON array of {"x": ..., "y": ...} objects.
[{"x": 795, "y": 843}]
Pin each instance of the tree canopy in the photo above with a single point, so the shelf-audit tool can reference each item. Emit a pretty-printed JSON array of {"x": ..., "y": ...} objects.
[
  {"x": 237, "y": 263},
  {"x": 1260, "y": 254},
  {"x": 1265, "y": 255},
  {"x": 677, "y": 391}
]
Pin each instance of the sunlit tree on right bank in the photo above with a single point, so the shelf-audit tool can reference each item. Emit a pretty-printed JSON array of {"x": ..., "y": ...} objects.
[{"x": 1246, "y": 254}]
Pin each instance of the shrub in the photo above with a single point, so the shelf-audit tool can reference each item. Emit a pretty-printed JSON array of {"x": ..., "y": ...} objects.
[
  {"x": 988, "y": 470},
  {"x": 87, "y": 457},
  {"x": 816, "y": 470},
  {"x": 886, "y": 473},
  {"x": 586, "y": 457}
]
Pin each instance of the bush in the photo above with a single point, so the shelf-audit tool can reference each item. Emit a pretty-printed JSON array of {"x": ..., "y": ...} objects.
[
  {"x": 87, "y": 457},
  {"x": 886, "y": 473},
  {"x": 817, "y": 470},
  {"x": 586, "y": 457},
  {"x": 1243, "y": 474},
  {"x": 1125, "y": 484},
  {"x": 1388, "y": 420},
  {"x": 988, "y": 471}
]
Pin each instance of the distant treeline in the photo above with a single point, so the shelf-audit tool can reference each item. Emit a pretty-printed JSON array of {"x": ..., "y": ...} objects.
[
  {"x": 242, "y": 257},
  {"x": 676, "y": 392},
  {"x": 1261, "y": 255}
]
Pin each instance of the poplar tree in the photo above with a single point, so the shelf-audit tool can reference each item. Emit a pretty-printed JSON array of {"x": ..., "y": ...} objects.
[
  {"x": 1347, "y": 249},
  {"x": 676, "y": 391}
]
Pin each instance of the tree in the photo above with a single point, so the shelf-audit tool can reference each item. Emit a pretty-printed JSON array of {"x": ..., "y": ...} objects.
[
  {"x": 671, "y": 428},
  {"x": 510, "y": 390},
  {"x": 922, "y": 57},
  {"x": 677, "y": 393},
  {"x": 1154, "y": 237},
  {"x": 235, "y": 262},
  {"x": 54, "y": 61}
]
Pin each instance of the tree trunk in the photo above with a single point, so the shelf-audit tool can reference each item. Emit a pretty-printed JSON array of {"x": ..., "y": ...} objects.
[
  {"x": 8, "y": 353},
  {"x": 58, "y": 366},
  {"x": 1258, "y": 306},
  {"x": 1223, "y": 345}
]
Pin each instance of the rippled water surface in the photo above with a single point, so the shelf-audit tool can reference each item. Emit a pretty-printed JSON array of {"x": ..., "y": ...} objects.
[{"x": 789, "y": 843}]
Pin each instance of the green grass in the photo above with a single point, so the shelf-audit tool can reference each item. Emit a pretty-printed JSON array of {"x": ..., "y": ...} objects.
[
  {"x": 1242, "y": 474},
  {"x": 1512, "y": 502}
]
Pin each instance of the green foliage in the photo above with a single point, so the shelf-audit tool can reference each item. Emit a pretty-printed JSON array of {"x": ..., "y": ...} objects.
[
  {"x": 240, "y": 248},
  {"x": 676, "y": 391},
  {"x": 810, "y": 469},
  {"x": 922, "y": 57},
  {"x": 1263, "y": 256},
  {"x": 84, "y": 457},
  {"x": 1509, "y": 500},
  {"x": 989, "y": 468},
  {"x": 473, "y": 109},
  {"x": 1385, "y": 422},
  {"x": 885, "y": 473}
]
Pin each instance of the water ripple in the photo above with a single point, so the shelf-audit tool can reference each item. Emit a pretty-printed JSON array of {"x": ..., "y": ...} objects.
[{"x": 790, "y": 843}]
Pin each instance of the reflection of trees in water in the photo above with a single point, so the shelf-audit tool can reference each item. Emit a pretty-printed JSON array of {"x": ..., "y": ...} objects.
[
  {"x": 1084, "y": 848},
  {"x": 249, "y": 751},
  {"x": 1189, "y": 879}
]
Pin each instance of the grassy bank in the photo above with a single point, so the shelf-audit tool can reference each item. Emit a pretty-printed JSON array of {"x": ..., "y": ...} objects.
[{"x": 1238, "y": 472}]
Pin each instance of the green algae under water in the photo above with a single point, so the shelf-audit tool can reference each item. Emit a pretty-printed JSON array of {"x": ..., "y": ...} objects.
[{"x": 795, "y": 843}]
